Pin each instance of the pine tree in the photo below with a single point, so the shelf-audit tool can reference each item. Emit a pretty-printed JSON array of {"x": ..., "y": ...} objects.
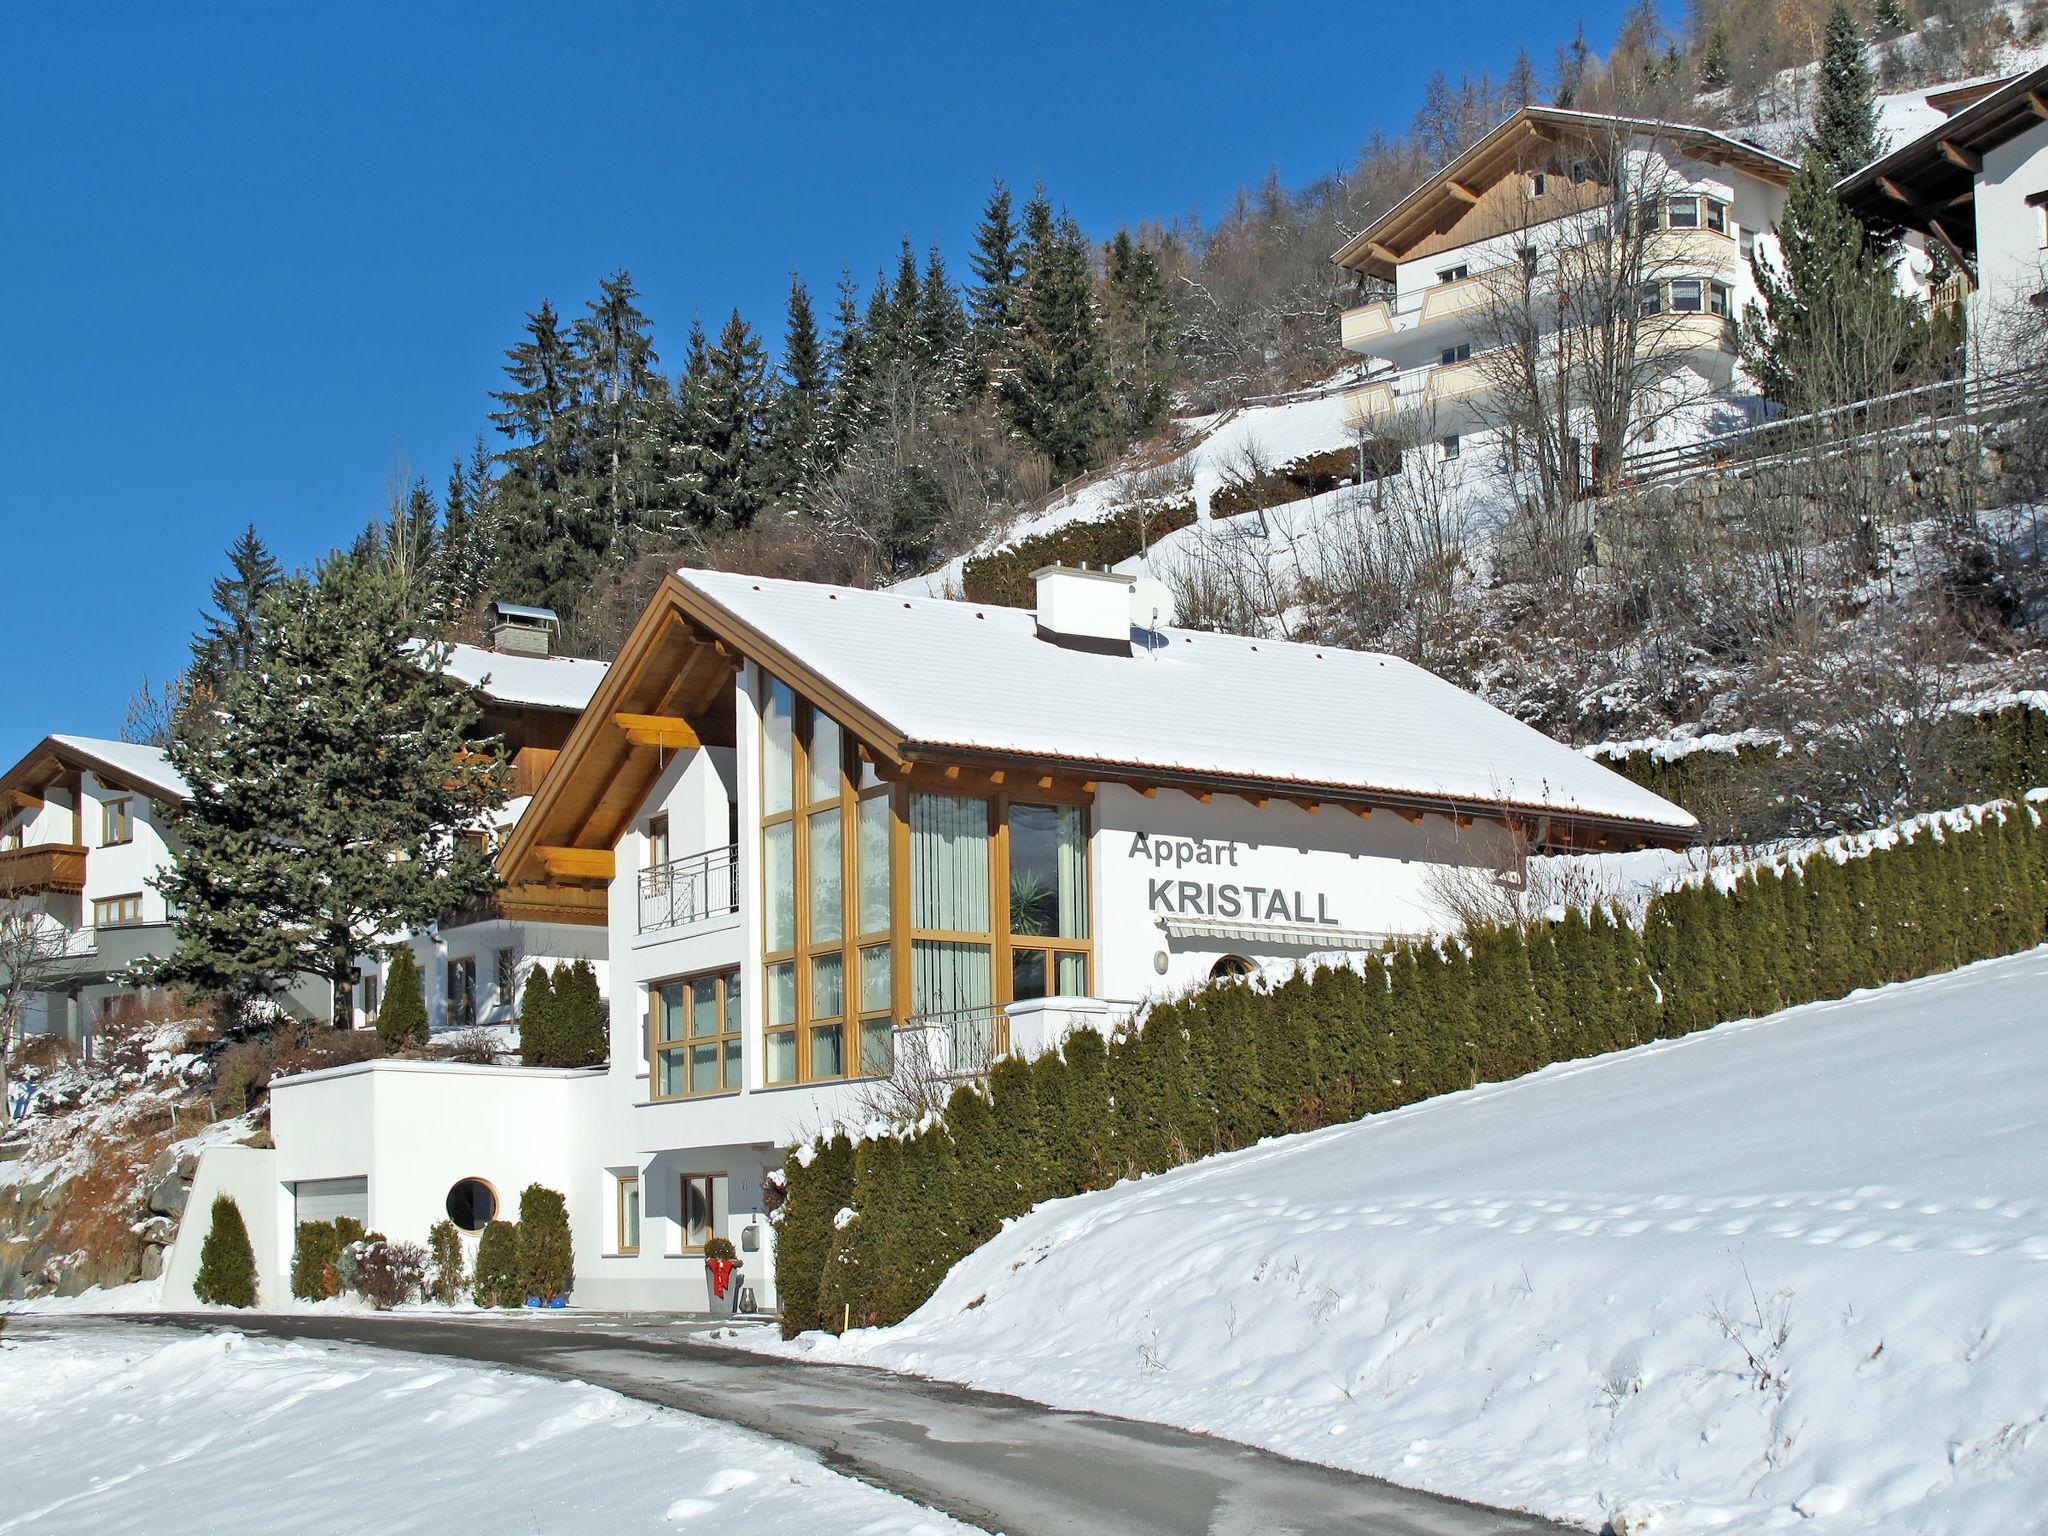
[
  {"x": 727, "y": 401},
  {"x": 299, "y": 848},
  {"x": 547, "y": 1261},
  {"x": 791, "y": 450},
  {"x": 995, "y": 304},
  {"x": 1892, "y": 17},
  {"x": 1054, "y": 393},
  {"x": 941, "y": 331},
  {"x": 1142, "y": 339},
  {"x": 227, "y": 641},
  {"x": 1833, "y": 327},
  {"x": 1717, "y": 61},
  {"x": 551, "y": 541},
  {"x": 1845, "y": 134},
  {"x": 402, "y": 1018},
  {"x": 537, "y": 1018},
  {"x": 624, "y": 396},
  {"x": 227, "y": 1263},
  {"x": 1522, "y": 88}
]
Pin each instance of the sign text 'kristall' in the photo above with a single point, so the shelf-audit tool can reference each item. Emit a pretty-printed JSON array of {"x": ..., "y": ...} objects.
[{"x": 1175, "y": 896}]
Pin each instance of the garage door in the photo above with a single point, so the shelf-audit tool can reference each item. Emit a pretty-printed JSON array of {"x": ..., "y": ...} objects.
[{"x": 325, "y": 1199}]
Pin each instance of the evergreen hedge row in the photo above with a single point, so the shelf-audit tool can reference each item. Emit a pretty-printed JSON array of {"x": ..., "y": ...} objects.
[
  {"x": 1003, "y": 576},
  {"x": 868, "y": 1231},
  {"x": 2010, "y": 744},
  {"x": 1298, "y": 479}
]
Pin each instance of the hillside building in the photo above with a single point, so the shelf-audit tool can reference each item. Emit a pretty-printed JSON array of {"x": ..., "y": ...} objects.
[
  {"x": 1975, "y": 187},
  {"x": 1517, "y": 257},
  {"x": 846, "y": 848}
]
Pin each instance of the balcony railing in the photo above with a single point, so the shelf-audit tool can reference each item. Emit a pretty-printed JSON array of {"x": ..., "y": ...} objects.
[
  {"x": 955, "y": 1043},
  {"x": 689, "y": 890},
  {"x": 42, "y": 867}
]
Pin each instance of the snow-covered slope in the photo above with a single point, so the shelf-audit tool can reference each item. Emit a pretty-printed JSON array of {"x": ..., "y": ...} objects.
[
  {"x": 135, "y": 1432},
  {"x": 1791, "y": 1273}
]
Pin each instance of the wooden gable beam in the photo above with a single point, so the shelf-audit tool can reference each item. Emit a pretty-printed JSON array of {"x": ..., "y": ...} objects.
[
  {"x": 577, "y": 863},
  {"x": 1385, "y": 252},
  {"x": 1895, "y": 191},
  {"x": 2038, "y": 102},
  {"x": 1968, "y": 159},
  {"x": 658, "y": 731},
  {"x": 1956, "y": 253},
  {"x": 1460, "y": 191},
  {"x": 1257, "y": 802},
  {"x": 24, "y": 800},
  {"x": 1362, "y": 812}
]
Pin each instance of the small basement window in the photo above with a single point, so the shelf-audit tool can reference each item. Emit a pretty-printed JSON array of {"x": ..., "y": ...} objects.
[
  {"x": 472, "y": 1204},
  {"x": 1230, "y": 965}
]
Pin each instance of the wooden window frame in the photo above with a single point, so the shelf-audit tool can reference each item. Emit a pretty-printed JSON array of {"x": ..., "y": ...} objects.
[
  {"x": 658, "y": 849},
  {"x": 680, "y": 1046},
  {"x": 619, "y": 1248},
  {"x": 684, "y": 1248},
  {"x": 1722, "y": 294},
  {"x": 131, "y": 904},
  {"x": 120, "y": 812},
  {"x": 505, "y": 975}
]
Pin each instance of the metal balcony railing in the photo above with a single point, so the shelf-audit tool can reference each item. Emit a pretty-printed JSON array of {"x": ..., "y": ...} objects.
[
  {"x": 957, "y": 1042},
  {"x": 690, "y": 889}
]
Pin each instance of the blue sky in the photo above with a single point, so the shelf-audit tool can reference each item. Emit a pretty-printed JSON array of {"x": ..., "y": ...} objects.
[{"x": 260, "y": 259}]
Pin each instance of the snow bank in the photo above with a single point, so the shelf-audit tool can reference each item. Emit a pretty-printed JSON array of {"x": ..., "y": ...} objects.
[
  {"x": 1784, "y": 1274},
  {"x": 124, "y": 1432}
]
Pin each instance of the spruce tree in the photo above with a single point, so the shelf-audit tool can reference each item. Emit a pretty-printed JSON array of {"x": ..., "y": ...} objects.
[
  {"x": 1845, "y": 134},
  {"x": 1054, "y": 393},
  {"x": 728, "y": 399},
  {"x": 941, "y": 331},
  {"x": 537, "y": 1019},
  {"x": 551, "y": 540},
  {"x": 328, "y": 796},
  {"x": 226, "y": 642},
  {"x": 402, "y": 1018},
  {"x": 624, "y": 398},
  {"x": 796, "y": 413},
  {"x": 1142, "y": 337},
  {"x": 227, "y": 1263},
  {"x": 444, "y": 1275},
  {"x": 995, "y": 304}
]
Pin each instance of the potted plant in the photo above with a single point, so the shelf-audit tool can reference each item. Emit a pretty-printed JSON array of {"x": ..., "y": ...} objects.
[{"x": 721, "y": 1286}]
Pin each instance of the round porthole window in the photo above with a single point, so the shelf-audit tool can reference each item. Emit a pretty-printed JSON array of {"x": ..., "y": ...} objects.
[
  {"x": 1231, "y": 965},
  {"x": 471, "y": 1204}
]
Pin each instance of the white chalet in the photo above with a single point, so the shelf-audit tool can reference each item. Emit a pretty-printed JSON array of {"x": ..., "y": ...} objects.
[
  {"x": 838, "y": 839},
  {"x": 1542, "y": 189}
]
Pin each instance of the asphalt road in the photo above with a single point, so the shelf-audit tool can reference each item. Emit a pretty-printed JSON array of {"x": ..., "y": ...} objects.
[{"x": 995, "y": 1461}]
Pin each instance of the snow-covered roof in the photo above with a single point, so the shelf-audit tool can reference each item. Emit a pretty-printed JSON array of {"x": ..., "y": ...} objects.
[
  {"x": 536, "y": 682},
  {"x": 975, "y": 678},
  {"x": 125, "y": 763}
]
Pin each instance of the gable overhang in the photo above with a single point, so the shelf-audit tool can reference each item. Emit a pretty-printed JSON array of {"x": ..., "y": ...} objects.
[
  {"x": 1930, "y": 183},
  {"x": 57, "y": 763},
  {"x": 1510, "y": 148}
]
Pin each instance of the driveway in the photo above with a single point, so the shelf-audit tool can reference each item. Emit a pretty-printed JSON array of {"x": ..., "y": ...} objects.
[{"x": 998, "y": 1462}]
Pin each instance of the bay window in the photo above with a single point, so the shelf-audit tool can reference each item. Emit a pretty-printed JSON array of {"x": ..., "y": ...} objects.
[{"x": 696, "y": 1030}]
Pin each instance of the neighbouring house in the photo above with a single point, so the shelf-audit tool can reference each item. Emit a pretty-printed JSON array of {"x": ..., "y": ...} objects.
[
  {"x": 473, "y": 969},
  {"x": 81, "y": 843},
  {"x": 1975, "y": 187},
  {"x": 1534, "y": 217},
  {"x": 846, "y": 848}
]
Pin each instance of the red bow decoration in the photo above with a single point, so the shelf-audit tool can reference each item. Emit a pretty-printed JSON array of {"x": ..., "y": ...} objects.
[{"x": 721, "y": 1275}]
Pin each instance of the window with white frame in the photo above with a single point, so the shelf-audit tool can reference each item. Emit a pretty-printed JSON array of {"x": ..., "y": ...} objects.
[
  {"x": 1454, "y": 274},
  {"x": 1683, "y": 212},
  {"x": 1449, "y": 444},
  {"x": 1687, "y": 296}
]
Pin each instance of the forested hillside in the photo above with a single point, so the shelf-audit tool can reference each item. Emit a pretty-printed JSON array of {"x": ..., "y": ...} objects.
[{"x": 909, "y": 412}]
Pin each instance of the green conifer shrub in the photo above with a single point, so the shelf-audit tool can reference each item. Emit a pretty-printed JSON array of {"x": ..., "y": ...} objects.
[
  {"x": 497, "y": 1267},
  {"x": 444, "y": 1263},
  {"x": 819, "y": 1178},
  {"x": 580, "y": 1034},
  {"x": 314, "y": 1252},
  {"x": 227, "y": 1263},
  {"x": 547, "y": 1260},
  {"x": 402, "y": 1019},
  {"x": 537, "y": 1019}
]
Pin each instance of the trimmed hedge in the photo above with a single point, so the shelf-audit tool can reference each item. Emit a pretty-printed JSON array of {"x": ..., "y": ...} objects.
[
  {"x": 497, "y": 1267},
  {"x": 1003, "y": 577},
  {"x": 1298, "y": 479},
  {"x": 227, "y": 1262},
  {"x": 869, "y": 1231},
  {"x": 2013, "y": 743}
]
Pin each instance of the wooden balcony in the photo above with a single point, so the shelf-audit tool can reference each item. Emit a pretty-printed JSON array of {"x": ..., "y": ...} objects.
[{"x": 41, "y": 869}]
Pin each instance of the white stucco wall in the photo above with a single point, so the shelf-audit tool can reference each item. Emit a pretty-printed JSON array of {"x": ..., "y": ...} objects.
[
  {"x": 248, "y": 1175},
  {"x": 2012, "y": 242}
]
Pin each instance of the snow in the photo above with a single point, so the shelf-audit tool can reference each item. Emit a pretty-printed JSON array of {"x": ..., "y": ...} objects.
[
  {"x": 131, "y": 1432},
  {"x": 1784, "y": 1274},
  {"x": 969, "y": 677},
  {"x": 146, "y": 767},
  {"x": 542, "y": 682}
]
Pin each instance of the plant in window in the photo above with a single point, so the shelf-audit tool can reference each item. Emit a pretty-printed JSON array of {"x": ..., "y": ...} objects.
[{"x": 1034, "y": 904}]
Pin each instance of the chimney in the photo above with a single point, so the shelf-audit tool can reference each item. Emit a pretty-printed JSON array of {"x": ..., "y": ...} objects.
[
  {"x": 518, "y": 630},
  {"x": 1084, "y": 610}
]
